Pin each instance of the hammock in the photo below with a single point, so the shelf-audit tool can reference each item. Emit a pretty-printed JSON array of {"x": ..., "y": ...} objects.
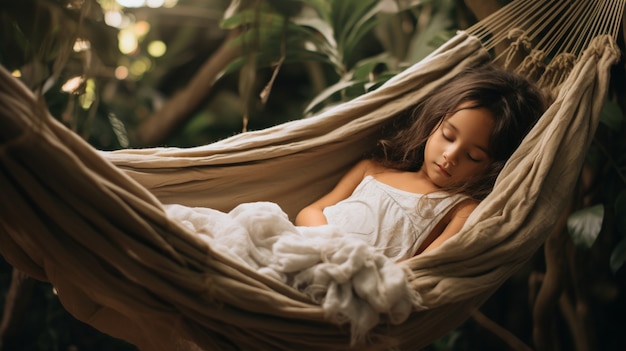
[{"x": 93, "y": 224}]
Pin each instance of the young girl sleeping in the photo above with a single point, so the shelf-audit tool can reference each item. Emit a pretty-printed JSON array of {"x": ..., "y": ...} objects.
[
  {"x": 412, "y": 194},
  {"x": 424, "y": 182}
]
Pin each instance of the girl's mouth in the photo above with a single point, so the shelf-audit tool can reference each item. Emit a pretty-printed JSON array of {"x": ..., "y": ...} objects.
[{"x": 443, "y": 171}]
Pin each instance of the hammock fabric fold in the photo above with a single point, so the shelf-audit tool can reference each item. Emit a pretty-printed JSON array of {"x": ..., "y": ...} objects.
[{"x": 92, "y": 223}]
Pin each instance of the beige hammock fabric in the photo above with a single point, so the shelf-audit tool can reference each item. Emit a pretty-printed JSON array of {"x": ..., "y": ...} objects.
[{"x": 92, "y": 223}]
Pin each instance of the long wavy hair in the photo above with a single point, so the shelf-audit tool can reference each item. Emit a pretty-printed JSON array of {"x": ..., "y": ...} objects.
[{"x": 515, "y": 103}]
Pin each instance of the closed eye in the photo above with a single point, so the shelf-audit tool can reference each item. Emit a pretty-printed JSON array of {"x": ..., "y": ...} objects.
[
  {"x": 447, "y": 135},
  {"x": 477, "y": 155},
  {"x": 473, "y": 159}
]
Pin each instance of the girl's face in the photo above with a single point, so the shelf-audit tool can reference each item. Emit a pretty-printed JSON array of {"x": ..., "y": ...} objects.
[{"x": 457, "y": 150}]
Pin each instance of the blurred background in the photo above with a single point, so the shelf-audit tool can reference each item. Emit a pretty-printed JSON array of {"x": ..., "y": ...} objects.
[{"x": 144, "y": 73}]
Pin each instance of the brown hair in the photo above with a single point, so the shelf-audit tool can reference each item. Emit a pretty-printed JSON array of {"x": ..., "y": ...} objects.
[{"x": 515, "y": 103}]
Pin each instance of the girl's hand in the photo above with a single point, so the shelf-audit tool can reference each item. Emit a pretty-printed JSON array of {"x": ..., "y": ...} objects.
[{"x": 311, "y": 216}]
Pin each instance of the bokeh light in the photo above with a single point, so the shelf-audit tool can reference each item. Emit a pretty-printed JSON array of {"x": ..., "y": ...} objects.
[
  {"x": 170, "y": 3},
  {"x": 72, "y": 84},
  {"x": 114, "y": 19},
  {"x": 127, "y": 41},
  {"x": 87, "y": 99},
  {"x": 81, "y": 45},
  {"x": 131, "y": 3},
  {"x": 141, "y": 28},
  {"x": 155, "y": 3},
  {"x": 157, "y": 48},
  {"x": 139, "y": 67},
  {"x": 121, "y": 72}
]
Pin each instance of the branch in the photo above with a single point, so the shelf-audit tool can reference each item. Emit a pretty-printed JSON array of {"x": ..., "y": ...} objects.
[
  {"x": 159, "y": 126},
  {"x": 575, "y": 321},
  {"x": 509, "y": 338},
  {"x": 546, "y": 302},
  {"x": 16, "y": 307}
]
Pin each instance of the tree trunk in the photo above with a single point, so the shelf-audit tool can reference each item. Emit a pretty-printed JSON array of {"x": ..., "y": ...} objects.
[
  {"x": 16, "y": 309},
  {"x": 159, "y": 126}
]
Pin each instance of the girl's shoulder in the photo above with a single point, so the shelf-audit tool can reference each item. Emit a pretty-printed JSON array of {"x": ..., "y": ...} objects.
[
  {"x": 370, "y": 167},
  {"x": 464, "y": 208},
  {"x": 412, "y": 182}
]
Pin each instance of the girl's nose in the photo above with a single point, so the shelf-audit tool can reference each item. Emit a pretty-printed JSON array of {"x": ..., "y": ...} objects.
[{"x": 450, "y": 155}]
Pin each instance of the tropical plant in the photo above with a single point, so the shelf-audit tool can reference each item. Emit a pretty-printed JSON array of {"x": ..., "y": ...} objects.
[{"x": 248, "y": 64}]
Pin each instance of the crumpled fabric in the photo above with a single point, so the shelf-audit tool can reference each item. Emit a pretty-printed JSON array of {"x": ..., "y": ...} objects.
[{"x": 351, "y": 280}]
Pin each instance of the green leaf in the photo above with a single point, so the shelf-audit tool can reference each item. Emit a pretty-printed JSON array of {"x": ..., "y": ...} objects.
[
  {"x": 327, "y": 93},
  {"x": 234, "y": 66},
  {"x": 368, "y": 74},
  {"x": 612, "y": 116},
  {"x": 232, "y": 9},
  {"x": 345, "y": 14},
  {"x": 364, "y": 68},
  {"x": 434, "y": 33},
  {"x": 366, "y": 22},
  {"x": 380, "y": 80},
  {"x": 322, "y": 7},
  {"x": 264, "y": 19},
  {"x": 584, "y": 226},
  {"x": 620, "y": 210},
  {"x": 319, "y": 25},
  {"x": 287, "y": 8},
  {"x": 618, "y": 256}
]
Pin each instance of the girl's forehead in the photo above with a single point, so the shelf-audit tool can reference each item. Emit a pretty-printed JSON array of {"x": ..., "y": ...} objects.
[{"x": 474, "y": 125}]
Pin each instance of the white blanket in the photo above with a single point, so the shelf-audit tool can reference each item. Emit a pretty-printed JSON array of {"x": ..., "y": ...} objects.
[{"x": 351, "y": 280}]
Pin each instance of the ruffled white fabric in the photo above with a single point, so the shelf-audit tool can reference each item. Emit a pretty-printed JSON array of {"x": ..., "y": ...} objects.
[
  {"x": 352, "y": 280},
  {"x": 394, "y": 221}
]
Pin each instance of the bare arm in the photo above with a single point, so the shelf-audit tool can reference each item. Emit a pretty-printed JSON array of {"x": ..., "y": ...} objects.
[
  {"x": 458, "y": 218},
  {"x": 313, "y": 215}
]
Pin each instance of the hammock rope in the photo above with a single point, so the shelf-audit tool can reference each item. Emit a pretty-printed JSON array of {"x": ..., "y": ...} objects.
[
  {"x": 551, "y": 27},
  {"x": 92, "y": 223}
]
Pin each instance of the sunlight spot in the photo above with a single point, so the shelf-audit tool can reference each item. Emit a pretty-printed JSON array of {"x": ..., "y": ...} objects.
[
  {"x": 87, "y": 99},
  {"x": 155, "y": 3},
  {"x": 81, "y": 45},
  {"x": 170, "y": 3},
  {"x": 127, "y": 42},
  {"x": 157, "y": 48},
  {"x": 131, "y": 3},
  {"x": 72, "y": 84},
  {"x": 114, "y": 19},
  {"x": 121, "y": 72},
  {"x": 139, "y": 67},
  {"x": 141, "y": 28}
]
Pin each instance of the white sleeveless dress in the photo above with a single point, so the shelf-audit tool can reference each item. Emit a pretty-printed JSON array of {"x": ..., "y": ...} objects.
[{"x": 393, "y": 220}]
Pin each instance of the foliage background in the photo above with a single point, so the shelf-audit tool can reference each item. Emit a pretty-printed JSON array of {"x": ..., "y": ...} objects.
[{"x": 232, "y": 66}]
